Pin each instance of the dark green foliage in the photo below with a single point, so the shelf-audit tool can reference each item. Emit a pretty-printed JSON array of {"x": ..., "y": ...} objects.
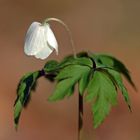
[
  {"x": 102, "y": 91},
  {"x": 113, "y": 63},
  {"x": 117, "y": 79},
  {"x": 70, "y": 75},
  {"x": 70, "y": 91},
  {"x": 51, "y": 66},
  {"x": 83, "y": 81},
  {"x": 26, "y": 85},
  {"x": 97, "y": 75},
  {"x": 67, "y": 78}
]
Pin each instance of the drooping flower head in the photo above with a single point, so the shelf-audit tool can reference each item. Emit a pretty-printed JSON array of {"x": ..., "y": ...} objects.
[{"x": 40, "y": 41}]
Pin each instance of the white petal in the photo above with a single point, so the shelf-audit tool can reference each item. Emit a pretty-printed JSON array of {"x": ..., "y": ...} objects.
[
  {"x": 51, "y": 40},
  {"x": 44, "y": 53},
  {"x": 38, "y": 43},
  {"x": 46, "y": 50},
  {"x": 31, "y": 38}
]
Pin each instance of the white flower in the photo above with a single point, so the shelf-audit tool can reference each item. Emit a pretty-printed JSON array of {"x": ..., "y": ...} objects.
[{"x": 40, "y": 41}]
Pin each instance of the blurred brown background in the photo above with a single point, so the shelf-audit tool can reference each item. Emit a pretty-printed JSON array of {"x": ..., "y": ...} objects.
[{"x": 110, "y": 26}]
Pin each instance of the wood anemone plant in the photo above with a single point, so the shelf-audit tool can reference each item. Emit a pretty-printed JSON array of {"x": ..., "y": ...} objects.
[{"x": 99, "y": 78}]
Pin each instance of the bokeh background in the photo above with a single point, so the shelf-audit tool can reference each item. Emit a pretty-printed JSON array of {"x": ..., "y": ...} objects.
[{"x": 107, "y": 26}]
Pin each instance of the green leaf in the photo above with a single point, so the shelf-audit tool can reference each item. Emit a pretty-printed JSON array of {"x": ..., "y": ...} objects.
[
  {"x": 114, "y": 63},
  {"x": 67, "y": 78},
  {"x": 51, "y": 66},
  {"x": 71, "y": 91},
  {"x": 100, "y": 110},
  {"x": 74, "y": 71},
  {"x": 102, "y": 92},
  {"x": 25, "y": 86},
  {"x": 85, "y": 61},
  {"x": 82, "y": 54},
  {"x": 116, "y": 77},
  {"x": 84, "y": 80},
  {"x": 69, "y": 59},
  {"x": 17, "y": 111},
  {"x": 93, "y": 88},
  {"x": 62, "y": 89}
]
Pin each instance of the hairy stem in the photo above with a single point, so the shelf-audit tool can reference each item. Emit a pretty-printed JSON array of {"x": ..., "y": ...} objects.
[
  {"x": 68, "y": 30},
  {"x": 80, "y": 116}
]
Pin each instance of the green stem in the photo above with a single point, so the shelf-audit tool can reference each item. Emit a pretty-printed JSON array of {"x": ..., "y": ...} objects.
[{"x": 80, "y": 115}]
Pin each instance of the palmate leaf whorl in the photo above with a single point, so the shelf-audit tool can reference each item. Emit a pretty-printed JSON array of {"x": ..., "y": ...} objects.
[{"x": 98, "y": 78}]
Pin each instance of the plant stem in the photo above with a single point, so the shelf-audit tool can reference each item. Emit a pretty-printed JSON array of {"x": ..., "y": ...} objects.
[{"x": 80, "y": 115}]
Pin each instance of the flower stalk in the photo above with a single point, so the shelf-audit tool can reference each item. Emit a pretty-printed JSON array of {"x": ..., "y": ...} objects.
[{"x": 67, "y": 29}]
